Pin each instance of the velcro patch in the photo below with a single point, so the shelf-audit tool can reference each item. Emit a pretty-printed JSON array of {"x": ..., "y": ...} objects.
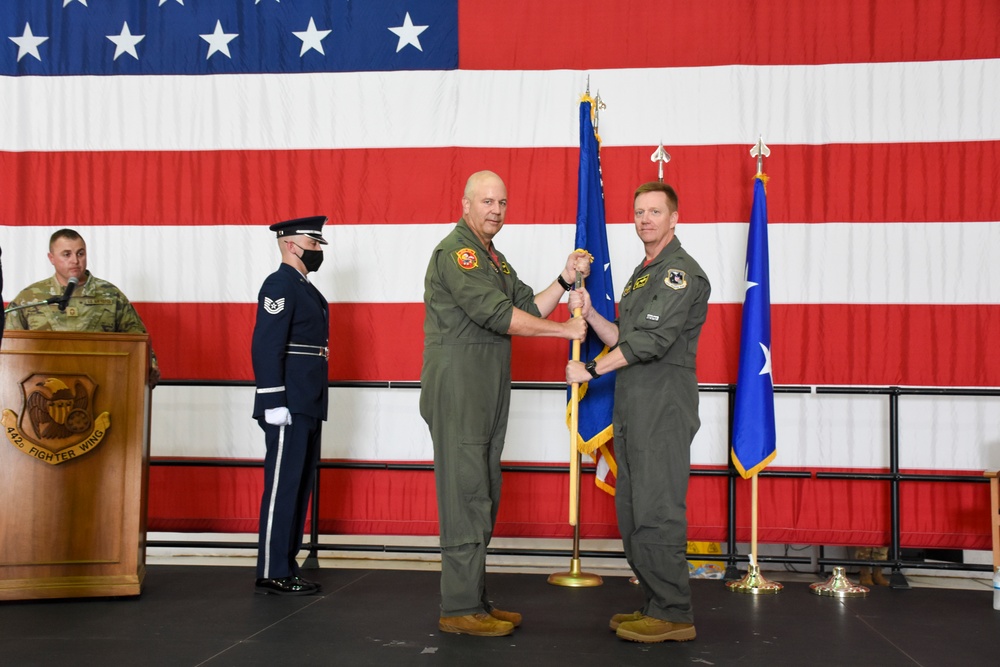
[
  {"x": 652, "y": 318},
  {"x": 676, "y": 279},
  {"x": 467, "y": 258}
]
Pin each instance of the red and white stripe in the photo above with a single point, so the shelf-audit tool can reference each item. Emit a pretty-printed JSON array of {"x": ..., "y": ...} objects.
[{"x": 884, "y": 210}]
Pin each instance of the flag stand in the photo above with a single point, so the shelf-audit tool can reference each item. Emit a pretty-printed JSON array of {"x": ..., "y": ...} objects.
[
  {"x": 574, "y": 577},
  {"x": 838, "y": 586},
  {"x": 754, "y": 582},
  {"x": 753, "y": 430}
]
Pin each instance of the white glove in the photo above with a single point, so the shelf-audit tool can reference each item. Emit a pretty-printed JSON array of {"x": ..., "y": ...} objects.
[{"x": 278, "y": 416}]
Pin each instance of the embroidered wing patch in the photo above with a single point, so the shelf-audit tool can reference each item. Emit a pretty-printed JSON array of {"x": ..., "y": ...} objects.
[
  {"x": 274, "y": 306},
  {"x": 676, "y": 279}
]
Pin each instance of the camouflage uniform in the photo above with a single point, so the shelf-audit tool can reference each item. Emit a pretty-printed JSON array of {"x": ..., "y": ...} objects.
[
  {"x": 96, "y": 305},
  {"x": 660, "y": 316},
  {"x": 3, "y": 321},
  {"x": 465, "y": 400}
]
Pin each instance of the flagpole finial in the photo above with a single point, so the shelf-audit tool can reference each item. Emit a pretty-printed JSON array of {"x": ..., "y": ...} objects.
[
  {"x": 598, "y": 106},
  {"x": 661, "y": 156},
  {"x": 760, "y": 151},
  {"x": 588, "y": 85}
]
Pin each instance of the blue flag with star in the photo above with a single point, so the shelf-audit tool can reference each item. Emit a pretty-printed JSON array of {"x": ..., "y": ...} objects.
[
  {"x": 753, "y": 417},
  {"x": 597, "y": 396}
]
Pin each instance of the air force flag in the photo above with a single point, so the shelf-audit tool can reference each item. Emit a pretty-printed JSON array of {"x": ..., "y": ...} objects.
[{"x": 753, "y": 417}]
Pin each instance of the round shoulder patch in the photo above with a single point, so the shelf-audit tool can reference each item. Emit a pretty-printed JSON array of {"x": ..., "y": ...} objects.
[
  {"x": 467, "y": 258},
  {"x": 676, "y": 279}
]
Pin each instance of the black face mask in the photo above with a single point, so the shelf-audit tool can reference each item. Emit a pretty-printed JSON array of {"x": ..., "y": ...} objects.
[{"x": 311, "y": 258}]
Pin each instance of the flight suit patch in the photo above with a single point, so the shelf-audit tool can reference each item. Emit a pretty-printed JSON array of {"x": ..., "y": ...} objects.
[
  {"x": 628, "y": 288},
  {"x": 505, "y": 268},
  {"x": 676, "y": 279},
  {"x": 467, "y": 259},
  {"x": 641, "y": 282}
]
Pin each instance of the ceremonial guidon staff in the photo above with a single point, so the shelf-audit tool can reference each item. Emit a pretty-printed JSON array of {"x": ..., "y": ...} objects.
[
  {"x": 590, "y": 221},
  {"x": 290, "y": 363}
]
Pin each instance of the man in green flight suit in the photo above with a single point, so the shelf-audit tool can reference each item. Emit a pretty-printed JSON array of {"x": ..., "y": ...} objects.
[
  {"x": 474, "y": 303},
  {"x": 654, "y": 343},
  {"x": 91, "y": 304}
]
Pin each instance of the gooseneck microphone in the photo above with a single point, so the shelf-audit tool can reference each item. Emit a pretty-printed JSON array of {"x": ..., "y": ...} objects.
[{"x": 70, "y": 286}]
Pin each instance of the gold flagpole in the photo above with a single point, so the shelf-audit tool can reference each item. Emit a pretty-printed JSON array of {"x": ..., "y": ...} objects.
[
  {"x": 574, "y": 577},
  {"x": 754, "y": 582},
  {"x": 574, "y": 431}
]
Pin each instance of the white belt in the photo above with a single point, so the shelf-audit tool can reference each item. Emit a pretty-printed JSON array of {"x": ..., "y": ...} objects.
[{"x": 309, "y": 350}]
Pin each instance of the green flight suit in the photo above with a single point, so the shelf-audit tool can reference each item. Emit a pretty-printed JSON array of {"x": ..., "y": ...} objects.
[
  {"x": 662, "y": 309},
  {"x": 96, "y": 305},
  {"x": 465, "y": 398}
]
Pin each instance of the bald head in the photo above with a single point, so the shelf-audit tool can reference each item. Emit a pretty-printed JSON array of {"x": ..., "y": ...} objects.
[
  {"x": 478, "y": 179},
  {"x": 484, "y": 205}
]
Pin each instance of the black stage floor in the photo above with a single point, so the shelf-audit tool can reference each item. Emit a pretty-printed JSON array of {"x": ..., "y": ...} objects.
[{"x": 208, "y": 615}]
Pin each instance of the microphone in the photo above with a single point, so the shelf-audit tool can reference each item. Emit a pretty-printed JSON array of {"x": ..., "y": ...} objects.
[{"x": 70, "y": 286}]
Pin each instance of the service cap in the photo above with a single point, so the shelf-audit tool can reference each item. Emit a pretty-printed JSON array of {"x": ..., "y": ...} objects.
[{"x": 311, "y": 227}]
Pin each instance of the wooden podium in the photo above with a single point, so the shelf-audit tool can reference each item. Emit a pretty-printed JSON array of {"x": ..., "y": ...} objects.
[{"x": 74, "y": 462}]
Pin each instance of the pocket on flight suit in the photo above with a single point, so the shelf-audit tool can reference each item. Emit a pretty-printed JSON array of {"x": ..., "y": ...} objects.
[{"x": 473, "y": 467}]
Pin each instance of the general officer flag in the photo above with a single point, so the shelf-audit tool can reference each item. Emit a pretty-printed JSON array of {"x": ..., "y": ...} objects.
[
  {"x": 597, "y": 396},
  {"x": 753, "y": 418}
]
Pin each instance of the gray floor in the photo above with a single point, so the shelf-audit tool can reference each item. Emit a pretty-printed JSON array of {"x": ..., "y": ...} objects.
[{"x": 203, "y": 615}]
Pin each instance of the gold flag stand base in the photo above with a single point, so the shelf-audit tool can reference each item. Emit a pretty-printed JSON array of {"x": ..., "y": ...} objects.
[
  {"x": 838, "y": 586},
  {"x": 754, "y": 583},
  {"x": 574, "y": 577}
]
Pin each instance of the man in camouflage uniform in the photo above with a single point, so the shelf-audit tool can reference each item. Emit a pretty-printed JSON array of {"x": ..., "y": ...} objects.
[
  {"x": 654, "y": 343},
  {"x": 3, "y": 320},
  {"x": 95, "y": 304},
  {"x": 474, "y": 304}
]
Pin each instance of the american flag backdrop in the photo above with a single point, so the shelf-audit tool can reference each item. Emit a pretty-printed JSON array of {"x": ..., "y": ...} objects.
[{"x": 170, "y": 133}]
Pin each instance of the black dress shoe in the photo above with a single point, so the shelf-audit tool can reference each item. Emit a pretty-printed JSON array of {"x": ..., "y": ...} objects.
[
  {"x": 284, "y": 586},
  {"x": 307, "y": 582}
]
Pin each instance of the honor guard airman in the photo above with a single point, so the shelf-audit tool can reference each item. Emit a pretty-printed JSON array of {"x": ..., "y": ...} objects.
[{"x": 290, "y": 363}]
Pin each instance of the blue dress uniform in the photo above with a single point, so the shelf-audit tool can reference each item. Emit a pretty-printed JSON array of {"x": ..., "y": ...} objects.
[{"x": 290, "y": 363}]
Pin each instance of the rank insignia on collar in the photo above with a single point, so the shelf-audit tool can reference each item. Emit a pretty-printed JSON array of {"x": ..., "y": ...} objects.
[
  {"x": 467, "y": 259},
  {"x": 676, "y": 279}
]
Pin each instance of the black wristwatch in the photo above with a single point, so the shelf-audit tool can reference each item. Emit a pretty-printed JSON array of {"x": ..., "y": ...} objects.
[
  {"x": 591, "y": 367},
  {"x": 565, "y": 285}
]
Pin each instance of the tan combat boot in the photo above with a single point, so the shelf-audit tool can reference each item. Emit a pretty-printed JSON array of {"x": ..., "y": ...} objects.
[{"x": 479, "y": 625}]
